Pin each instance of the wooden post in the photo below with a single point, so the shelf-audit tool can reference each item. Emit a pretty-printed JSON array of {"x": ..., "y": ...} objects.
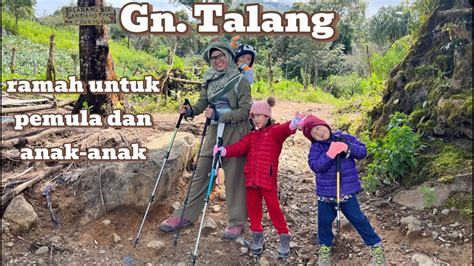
[
  {"x": 13, "y": 61},
  {"x": 50, "y": 69},
  {"x": 95, "y": 61}
]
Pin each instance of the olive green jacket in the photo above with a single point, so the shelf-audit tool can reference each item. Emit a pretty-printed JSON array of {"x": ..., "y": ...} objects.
[{"x": 237, "y": 120}]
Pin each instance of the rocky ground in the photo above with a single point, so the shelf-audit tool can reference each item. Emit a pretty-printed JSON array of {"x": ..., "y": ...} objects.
[{"x": 429, "y": 236}]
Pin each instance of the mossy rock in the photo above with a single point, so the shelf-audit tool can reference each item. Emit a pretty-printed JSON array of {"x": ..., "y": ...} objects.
[
  {"x": 415, "y": 117},
  {"x": 451, "y": 111},
  {"x": 462, "y": 76},
  {"x": 426, "y": 71},
  {"x": 445, "y": 63},
  {"x": 446, "y": 179},
  {"x": 439, "y": 160},
  {"x": 468, "y": 106},
  {"x": 426, "y": 127},
  {"x": 414, "y": 85},
  {"x": 450, "y": 161},
  {"x": 462, "y": 202}
]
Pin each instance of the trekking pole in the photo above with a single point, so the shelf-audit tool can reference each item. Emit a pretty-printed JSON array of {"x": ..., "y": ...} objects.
[
  {"x": 338, "y": 193},
  {"x": 204, "y": 132},
  {"x": 167, "y": 154},
  {"x": 47, "y": 194},
  {"x": 215, "y": 166}
]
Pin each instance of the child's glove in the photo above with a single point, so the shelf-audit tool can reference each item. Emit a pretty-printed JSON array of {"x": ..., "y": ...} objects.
[
  {"x": 233, "y": 42},
  {"x": 297, "y": 121},
  {"x": 335, "y": 148},
  {"x": 221, "y": 149},
  {"x": 342, "y": 146},
  {"x": 244, "y": 67}
]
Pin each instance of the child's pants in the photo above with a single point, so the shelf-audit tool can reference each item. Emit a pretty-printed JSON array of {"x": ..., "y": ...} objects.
[
  {"x": 254, "y": 209},
  {"x": 351, "y": 209}
]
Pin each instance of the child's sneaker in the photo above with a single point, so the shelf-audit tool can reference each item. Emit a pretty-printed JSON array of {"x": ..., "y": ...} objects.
[
  {"x": 378, "y": 256},
  {"x": 257, "y": 243},
  {"x": 324, "y": 256},
  {"x": 232, "y": 232},
  {"x": 284, "y": 248},
  {"x": 172, "y": 223}
]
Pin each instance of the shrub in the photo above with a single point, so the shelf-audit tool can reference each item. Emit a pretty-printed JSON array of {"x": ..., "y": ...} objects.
[{"x": 393, "y": 155}]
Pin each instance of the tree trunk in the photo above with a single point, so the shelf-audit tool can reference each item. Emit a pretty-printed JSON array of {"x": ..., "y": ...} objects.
[
  {"x": 95, "y": 62},
  {"x": 304, "y": 76},
  {"x": 368, "y": 58},
  {"x": 270, "y": 72},
  {"x": 316, "y": 73}
]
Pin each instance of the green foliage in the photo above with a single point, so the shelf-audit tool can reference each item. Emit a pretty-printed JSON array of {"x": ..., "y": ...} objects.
[
  {"x": 158, "y": 103},
  {"x": 420, "y": 10},
  {"x": 261, "y": 72},
  {"x": 382, "y": 64},
  {"x": 462, "y": 202},
  {"x": 344, "y": 85},
  {"x": 389, "y": 24},
  {"x": 29, "y": 54},
  {"x": 292, "y": 91},
  {"x": 21, "y": 9},
  {"x": 429, "y": 195},
  {"x": 393, "y": 155},
  {"x": 69, "y": 41}
]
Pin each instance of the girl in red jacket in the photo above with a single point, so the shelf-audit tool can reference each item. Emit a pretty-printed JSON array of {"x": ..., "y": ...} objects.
[{"x": 263, "y": 147}]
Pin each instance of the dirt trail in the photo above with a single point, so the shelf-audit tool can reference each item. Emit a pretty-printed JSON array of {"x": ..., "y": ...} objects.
[{"x": 93, "y": 243}]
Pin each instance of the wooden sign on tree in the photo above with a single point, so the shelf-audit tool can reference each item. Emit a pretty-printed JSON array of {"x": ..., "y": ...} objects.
[{"x": 95, "y": 63}]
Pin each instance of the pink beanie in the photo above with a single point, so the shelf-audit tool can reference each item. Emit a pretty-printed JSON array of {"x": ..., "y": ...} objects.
[{"x": 263, "y": 107}]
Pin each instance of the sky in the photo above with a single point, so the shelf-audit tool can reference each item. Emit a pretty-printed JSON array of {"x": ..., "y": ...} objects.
[{"x": 46, "y": 7}]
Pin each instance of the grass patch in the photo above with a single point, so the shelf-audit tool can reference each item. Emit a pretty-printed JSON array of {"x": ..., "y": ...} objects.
[
  {"x": 462, "y": 202},
  {"x": 294, "y": 91},
  {"x": 68, "y": 40}
]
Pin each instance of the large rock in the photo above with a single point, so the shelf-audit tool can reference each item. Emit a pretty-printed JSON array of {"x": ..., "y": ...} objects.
[
  {"x": 131, "y": 183},
  {"x": 422, "y": 260},
  {"x": 415, "y": 199},
  {"x": 21, "y": 215}
]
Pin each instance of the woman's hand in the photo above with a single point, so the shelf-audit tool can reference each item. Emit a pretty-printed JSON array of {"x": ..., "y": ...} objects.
[
  {"x": 183, "y": 108},
  {"x": 209, "y": 112}
]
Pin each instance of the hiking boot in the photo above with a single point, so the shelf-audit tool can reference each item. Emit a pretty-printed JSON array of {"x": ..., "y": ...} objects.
[
  {"x": 378, "y": 256},
  {"x": 232, "y": 232},
  {"x": 324, "y": 256},
  {"x": 172, "y": 223},
  {"x": 284, "y": 248},
  {"x": 257, "y": 243}
]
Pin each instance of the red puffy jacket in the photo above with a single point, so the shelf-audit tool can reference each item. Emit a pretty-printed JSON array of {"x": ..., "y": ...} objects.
[{"x": 262, "y": 147}]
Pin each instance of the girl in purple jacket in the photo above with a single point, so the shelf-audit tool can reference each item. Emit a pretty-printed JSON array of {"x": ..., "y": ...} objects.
[{"x": 325, "y": 147}]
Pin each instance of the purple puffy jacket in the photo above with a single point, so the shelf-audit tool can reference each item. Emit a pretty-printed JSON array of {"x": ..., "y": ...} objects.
[{"x": 325, "y": 167}]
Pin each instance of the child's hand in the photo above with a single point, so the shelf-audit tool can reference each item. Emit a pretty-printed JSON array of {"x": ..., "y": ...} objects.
[
  {"x": 233, "y": 42},
  {"x": 335, "y": 148},
  {"x": 221, "y": 149},
  {"x": 342, "y": 146},
  {"x": 244, "y": 67},
  {"x": 297, "y": 121}
]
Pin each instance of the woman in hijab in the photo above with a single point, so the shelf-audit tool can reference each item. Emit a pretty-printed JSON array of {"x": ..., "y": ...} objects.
[{"x": 225, "y": 88}]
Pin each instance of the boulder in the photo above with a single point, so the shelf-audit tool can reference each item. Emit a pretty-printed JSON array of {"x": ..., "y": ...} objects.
[
  {"x": 415, "y": 199},
  {"x": 21, "y": 215},
  {"x": 156, "y": 244},
  {"x": 413, "y": 225},
  {"x": 422, "y": 260},
  {"x": 131, "y": 183}
]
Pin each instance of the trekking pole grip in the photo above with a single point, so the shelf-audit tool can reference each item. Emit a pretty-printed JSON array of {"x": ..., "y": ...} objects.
[{"x": 181, "y": 116}]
